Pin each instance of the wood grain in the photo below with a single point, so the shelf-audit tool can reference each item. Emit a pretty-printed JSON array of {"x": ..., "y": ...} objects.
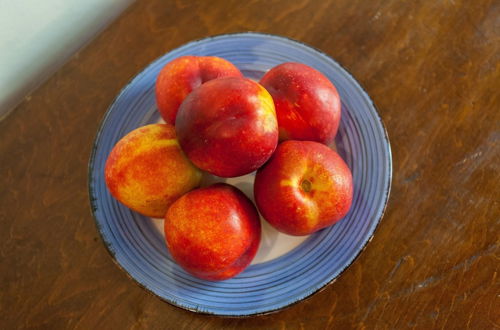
[{"x": 431, "y": 67}]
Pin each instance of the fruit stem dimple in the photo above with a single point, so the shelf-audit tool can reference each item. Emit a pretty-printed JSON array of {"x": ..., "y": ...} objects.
[{"x": 306, "y": 185}]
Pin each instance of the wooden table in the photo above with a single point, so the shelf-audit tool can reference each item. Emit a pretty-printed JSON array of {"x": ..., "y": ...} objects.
[{"x": 431, "y": 67}]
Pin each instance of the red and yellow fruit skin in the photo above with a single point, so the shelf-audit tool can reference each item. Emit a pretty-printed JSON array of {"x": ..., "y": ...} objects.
[
  {"x": 147, "y": 170},
  {"x": 213, "y": 232},
  {"x": 228, "y": 126},
  {"x": 179, "y": 77},
  {"x": 304, "y": 187},
  {"x": 307, "y": 104}
]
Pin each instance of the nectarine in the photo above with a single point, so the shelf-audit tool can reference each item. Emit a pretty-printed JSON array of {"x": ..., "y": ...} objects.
[
  {"x": 307, "y": 104},
  {"x": 179, "y": 77},
  {"x": 213, "y": 232},
  {"x": 147, "y": 170},
  {"x": 228, "y": 126},
  {"x": 304, "y": 187}
]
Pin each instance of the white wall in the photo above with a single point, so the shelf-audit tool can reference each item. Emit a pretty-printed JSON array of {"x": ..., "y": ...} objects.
[{"x": 37, "y": 37}]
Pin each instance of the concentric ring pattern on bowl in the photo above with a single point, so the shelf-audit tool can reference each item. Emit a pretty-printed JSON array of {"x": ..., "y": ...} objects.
[{"x": 139, "y": 249}]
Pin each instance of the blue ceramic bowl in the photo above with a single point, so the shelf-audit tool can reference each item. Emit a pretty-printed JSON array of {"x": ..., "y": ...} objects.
[{"x": 138, "y": 246}]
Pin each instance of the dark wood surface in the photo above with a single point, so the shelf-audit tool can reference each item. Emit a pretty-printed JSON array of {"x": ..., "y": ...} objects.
[{"x": 431, "y": 67}]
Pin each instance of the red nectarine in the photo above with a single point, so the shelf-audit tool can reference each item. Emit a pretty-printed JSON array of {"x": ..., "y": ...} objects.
[
  {"x": 213, "y": 232},
  {"x": 179, "y": 77},
  {"x": 147, "y": 170},
  {"x": 304, "y": 187},
  {"x": 307, "y": 104},
  {"x": 228, "y": 126}
]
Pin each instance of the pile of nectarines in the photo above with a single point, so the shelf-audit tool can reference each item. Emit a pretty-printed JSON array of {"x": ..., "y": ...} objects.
[{"x": 219, "y": 122}]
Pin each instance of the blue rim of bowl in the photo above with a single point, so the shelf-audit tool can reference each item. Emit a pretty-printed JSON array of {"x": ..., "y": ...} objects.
[{"x": 93, "y": 199}]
